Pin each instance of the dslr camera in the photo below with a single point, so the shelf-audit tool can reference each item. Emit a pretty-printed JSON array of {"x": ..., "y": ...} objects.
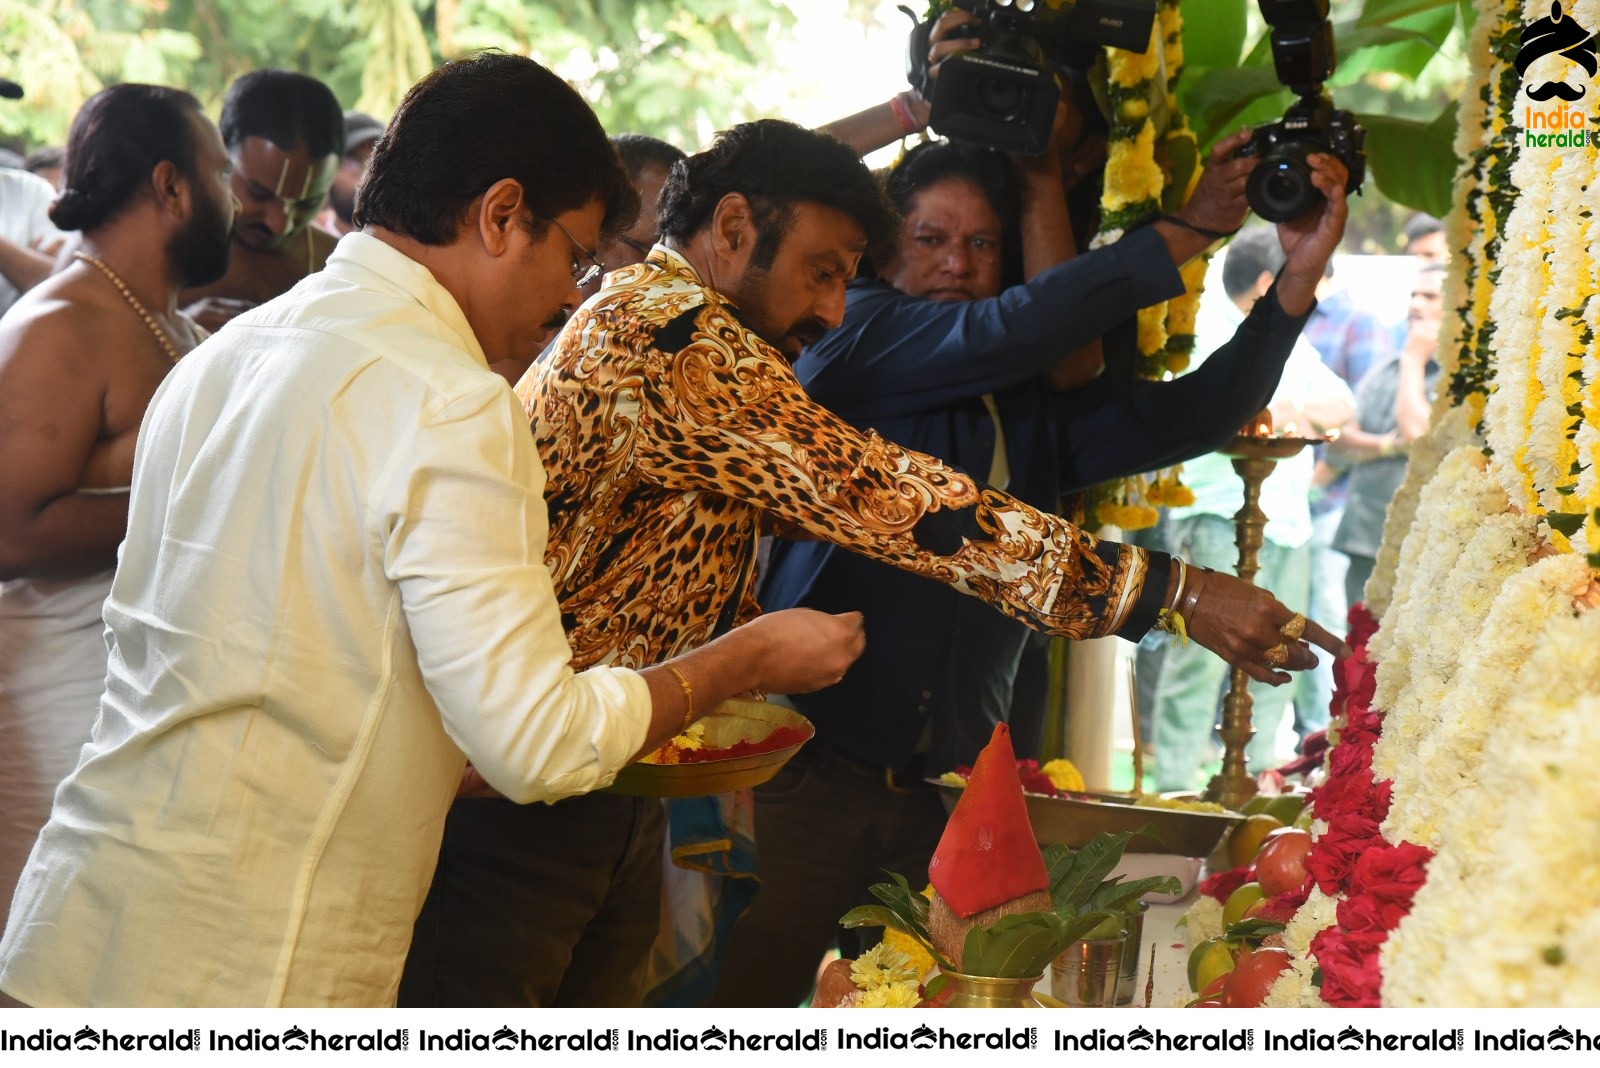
[
  {"x": 1003, "y": 94},
  {"x": 1280, "y": 188}
]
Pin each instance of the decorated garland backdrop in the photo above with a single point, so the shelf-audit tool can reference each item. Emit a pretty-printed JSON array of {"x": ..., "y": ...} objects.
[{"x": 1454, "y": 860}]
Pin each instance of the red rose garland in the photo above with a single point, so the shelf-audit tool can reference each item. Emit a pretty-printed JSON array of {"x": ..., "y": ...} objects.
[{"x": 1351, "y": 858}]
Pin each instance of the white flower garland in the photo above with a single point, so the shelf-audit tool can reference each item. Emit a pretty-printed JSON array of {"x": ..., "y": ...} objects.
[
  {"x": 1294, "y": 989},
  {"x": 1430, "y": 781},
  {"x": 1513, "y": 897},
  {"x": 1550, "y": 452},
  {"x": 1421, "y": 662},
  {"x": 1456, "y": 428},
  {"x": 1202, "y": 921},
  {"x": 1513, "y": 307}
]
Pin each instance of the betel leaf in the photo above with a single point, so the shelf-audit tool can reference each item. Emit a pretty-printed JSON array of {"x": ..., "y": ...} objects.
[
  {"x": 870, "y": 916},
  {"x": 903, "y": 909},
  {"x": 1073, "y": 883},
  {"x": 1014, "y": 947},
  {"x": 1251, "y": 929},
  {"x": 1119, "y": 896}
]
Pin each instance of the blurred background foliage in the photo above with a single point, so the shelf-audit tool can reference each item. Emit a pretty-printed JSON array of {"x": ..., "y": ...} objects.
[{"x": 681, "y": 69}]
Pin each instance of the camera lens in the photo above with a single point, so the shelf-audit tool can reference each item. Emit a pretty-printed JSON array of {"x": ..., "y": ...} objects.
[
  {"x": 1280, "y": 189},
  {"x": 1004, "y": 99}
]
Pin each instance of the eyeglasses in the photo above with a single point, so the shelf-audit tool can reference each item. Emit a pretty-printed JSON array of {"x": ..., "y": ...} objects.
[
  {"x": 581, "y": 275},
  {"x": 641, "y": 247}
]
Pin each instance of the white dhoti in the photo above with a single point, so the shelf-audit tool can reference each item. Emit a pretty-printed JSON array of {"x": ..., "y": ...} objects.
[{"x": 52, "y": 673}]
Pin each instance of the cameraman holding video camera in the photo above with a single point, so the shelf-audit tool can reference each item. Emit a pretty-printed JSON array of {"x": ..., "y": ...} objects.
[{"x": 940, "y": 353}]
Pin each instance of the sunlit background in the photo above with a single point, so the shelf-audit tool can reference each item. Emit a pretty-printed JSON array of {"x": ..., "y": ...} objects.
[{"x": 683, "y": 69}]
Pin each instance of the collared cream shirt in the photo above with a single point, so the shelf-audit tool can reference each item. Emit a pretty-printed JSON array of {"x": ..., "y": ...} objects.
[{"x": 332, "y": 588}]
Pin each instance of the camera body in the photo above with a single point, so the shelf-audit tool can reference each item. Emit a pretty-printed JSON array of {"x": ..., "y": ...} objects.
[
  {"x": 1003, "y": 94},
  {"x": 1280, "y": 187}
]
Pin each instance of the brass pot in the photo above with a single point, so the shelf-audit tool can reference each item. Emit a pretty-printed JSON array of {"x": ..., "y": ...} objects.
[{"x": 989, "y": 992}]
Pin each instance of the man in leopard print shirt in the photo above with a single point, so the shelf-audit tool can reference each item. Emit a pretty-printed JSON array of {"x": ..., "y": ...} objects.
[{"x": 673, "y": 432}]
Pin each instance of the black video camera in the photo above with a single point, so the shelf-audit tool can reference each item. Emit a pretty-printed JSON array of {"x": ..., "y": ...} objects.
[
  {"x": 1280, "y": 188},
  {"x": 1004, "y": 93}
]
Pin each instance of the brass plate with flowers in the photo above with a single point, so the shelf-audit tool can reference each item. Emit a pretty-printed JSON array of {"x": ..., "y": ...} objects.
[{"x": 738, "y": 744}]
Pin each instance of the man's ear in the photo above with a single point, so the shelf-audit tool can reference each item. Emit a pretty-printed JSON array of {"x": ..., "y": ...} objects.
[
  {"x": 733, "y": 229},
  {"x": 499, "y": 214},
  {"x": 172, "y": 190}
]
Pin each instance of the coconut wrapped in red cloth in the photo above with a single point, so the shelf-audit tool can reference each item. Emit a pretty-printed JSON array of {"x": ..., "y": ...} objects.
[{"x": 988, "y": 863}]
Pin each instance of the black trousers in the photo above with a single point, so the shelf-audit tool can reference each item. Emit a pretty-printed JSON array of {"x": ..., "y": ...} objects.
[
  {"x": 827, "y": 827},
  {"x": 540, "y": 905}
]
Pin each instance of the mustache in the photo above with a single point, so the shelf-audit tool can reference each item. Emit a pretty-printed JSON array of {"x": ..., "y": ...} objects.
[
  {"x": 1556, "y": 89},
  {"x": 809, "y": 331}
]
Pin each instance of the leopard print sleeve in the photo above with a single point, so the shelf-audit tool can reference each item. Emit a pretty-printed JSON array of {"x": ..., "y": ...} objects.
[{"x": 727, "y": 415}]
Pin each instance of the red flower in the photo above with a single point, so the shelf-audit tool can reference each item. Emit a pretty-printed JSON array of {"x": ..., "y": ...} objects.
[
  {"x": 1362, "y": 725},
  {"x": 1363, "y": 625},
  {"x": 1333, "y": 856},
  {"x": 1381, "y": 795},
  {"x": 1288, "y": 902},
  {"x": 1224, "y": 883},
  {"x": 1349, "y": 964},
  {"x": 1388, "y": 877},
  {"x": 1340, "y": 796}
]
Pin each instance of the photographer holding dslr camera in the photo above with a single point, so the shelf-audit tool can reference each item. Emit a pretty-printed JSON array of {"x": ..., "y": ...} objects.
[{"x": 958, "y": 348}]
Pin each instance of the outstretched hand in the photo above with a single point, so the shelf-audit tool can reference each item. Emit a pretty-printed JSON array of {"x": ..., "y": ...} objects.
[{"x": 1242, "y": 623}]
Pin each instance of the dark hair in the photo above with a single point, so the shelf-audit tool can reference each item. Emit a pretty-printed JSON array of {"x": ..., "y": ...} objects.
[
  {"x": 475, "y": 121},
  {"x": 776, "y": 165},
  {"x": 1419, "y": 225},
  {"x": 1253, "y": 251},
  {"x": 933, "y": 162},
  {"x": 641, "y": 151},
  {"x": 117, "y": 138},
  {"x": 287, "y": 108},
  {"x": 42, "y": 159}
]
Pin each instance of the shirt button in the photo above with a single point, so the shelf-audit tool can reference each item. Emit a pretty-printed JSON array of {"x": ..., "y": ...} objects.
[{"x": 927, "y": 695}]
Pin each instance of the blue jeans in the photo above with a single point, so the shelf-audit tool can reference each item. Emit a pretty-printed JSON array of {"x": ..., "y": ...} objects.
[{"x": 1193, "y": 680}]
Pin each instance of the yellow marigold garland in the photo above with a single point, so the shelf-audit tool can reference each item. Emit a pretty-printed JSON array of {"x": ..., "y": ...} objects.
[{"x": 1145, "y": 127}]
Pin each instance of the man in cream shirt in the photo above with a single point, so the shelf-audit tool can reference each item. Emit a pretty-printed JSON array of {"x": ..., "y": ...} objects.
[{"x": 333, "y": 587}]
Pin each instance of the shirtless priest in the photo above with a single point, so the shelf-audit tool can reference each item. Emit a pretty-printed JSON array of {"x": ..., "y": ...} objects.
[
  {"x": 80, "y": 356},
  {"x": 285, "y": 137}
]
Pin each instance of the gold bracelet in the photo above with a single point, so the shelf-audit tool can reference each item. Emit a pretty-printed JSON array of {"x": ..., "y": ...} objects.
[{"x": 688, "y": 696}]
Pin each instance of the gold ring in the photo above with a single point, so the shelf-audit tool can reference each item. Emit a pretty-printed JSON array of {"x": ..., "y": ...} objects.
[
  {"x": 1293, "y": 629},
  {"x": 1277, "y": 656}
]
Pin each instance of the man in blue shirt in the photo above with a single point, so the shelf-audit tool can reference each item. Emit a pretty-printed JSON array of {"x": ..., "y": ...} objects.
[{"x": 937, "y": 354}]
